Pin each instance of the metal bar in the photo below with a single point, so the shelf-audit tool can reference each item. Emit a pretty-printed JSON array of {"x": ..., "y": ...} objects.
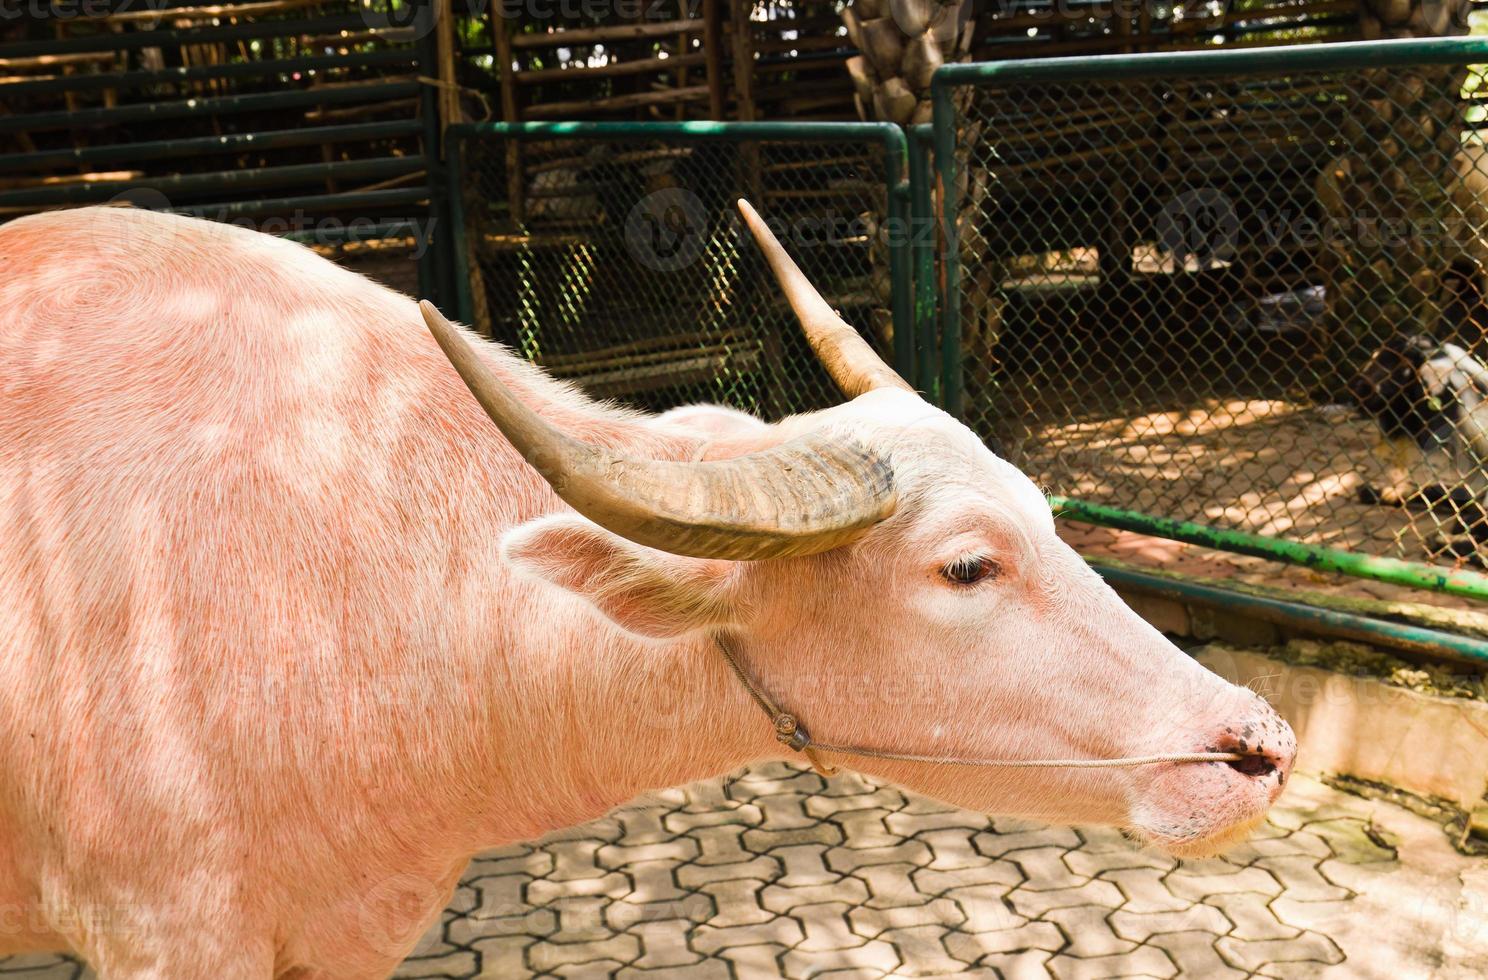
[
  {"x": 358, "y": 230},
  {"x": 204, "y": 107},
  {"x": 735, "y": 132},
  {"x": 922, "y": 237},
  {"x": 1473, "y": 585},
  {"x": 196, "y": 183},
  {"x": 357, "y": 199},
  {"x": 454, "y": 162},
  {"x": 1210, "y": 62},
  {"x": 1316, "y": 619},
  {"x": 169, "y": 75},
  {"x": 207, "y": 145},
  {"x": 108, "y": 41},
  {"x": 944, "y": 116}
]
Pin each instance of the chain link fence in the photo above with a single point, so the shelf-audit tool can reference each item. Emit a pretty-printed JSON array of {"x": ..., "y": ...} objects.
[
  {"x": 1242, "y": 289},
  {"x": 613, "y": 256}
]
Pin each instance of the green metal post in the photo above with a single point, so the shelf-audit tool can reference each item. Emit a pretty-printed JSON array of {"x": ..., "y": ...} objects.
[
  {"x": 944, "y": 116},
  {"x": 922, "y": 241},
  {"x": 1473, "y": 585},
  {"x": 454, "y": 161}
]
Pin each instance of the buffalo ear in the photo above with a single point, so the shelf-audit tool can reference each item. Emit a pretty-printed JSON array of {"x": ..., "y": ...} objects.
[{"x": 643, "y": 591}]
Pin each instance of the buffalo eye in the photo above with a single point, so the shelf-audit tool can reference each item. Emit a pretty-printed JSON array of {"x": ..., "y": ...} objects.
[{"x": 969, "y": 570}]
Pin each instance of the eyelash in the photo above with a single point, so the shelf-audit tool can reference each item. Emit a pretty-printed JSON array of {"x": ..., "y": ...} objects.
[{"x": 970, "y": 569}]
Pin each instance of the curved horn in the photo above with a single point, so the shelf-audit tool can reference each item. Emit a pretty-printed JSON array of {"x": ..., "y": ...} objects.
[
  {"x": 845, "y": 355},
  {"x": 807, "y": 495}
]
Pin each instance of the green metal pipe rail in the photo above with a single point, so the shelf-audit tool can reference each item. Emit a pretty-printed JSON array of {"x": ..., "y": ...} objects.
[
  {"x": 125, "y": 80},
  {"x": 186, "y": 108},
  {"x": 1297, "y": 615},
  {"x": 198, "y": 146},
  {"x": 889, "y": 136}
]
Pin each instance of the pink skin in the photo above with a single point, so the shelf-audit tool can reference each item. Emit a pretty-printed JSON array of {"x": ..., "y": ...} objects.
[{"x": 287, "y": 631}]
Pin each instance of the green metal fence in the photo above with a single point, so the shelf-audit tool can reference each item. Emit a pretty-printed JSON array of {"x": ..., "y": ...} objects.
[
  {"x": 1235, "y": 298},
  {"x": 321, "y": 124},
  {"x": 612, "y": 254}
]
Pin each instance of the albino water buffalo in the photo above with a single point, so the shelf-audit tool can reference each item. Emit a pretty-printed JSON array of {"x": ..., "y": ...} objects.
[{"x": 289, "y": 629}]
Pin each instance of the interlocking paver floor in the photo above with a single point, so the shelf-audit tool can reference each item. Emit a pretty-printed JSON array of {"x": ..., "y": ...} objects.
[{"x": 779, "y": 873}]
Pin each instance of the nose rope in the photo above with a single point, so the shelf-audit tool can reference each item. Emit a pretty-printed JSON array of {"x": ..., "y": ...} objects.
[{"x": 790, "y": 732}]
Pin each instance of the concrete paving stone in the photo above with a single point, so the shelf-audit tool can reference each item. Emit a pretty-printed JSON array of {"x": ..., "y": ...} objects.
[
  {"x": 532, "y": 922},
  {"x": 891, "y": 886},
  {"x": 504, "y": 956},
  {"x": 826, "y": 926},
  {"x": 459, "y": 963},
  {"x": 573, "y": 859},
  {"x": 780, "y": 898},
  {"x": 951, "y": 849},
  {"x": 843, "y": 859},
  {"x": 763, "y": 839},
  {"x": 614, "y": 884},
  {"x": 1253, "y": 954},
  {"x": 1297, "y": 844},
  {"x": 1102, "y": 840},
  {"x": 849, "y": 783},
  {"x": 695, "y": 876},
  {"x": 1144, "y": 961},
  {"x": 910, "y": 821},
  {"x": 758, "y": 960},
  {"x": 805, "y": 864},
  {"x": 920, "y": 951},
  {"x": 720, "y": 843},
  {"x": 783, "y": 930},
  {"x": 1045, "y": 869},
  {"x": 1301, "y": 879},
  {"x": 1350, "y": 840},
  {"x": 973, "y": 947},
  {"x": 591, "y": 970},
  {"x": 1089, "y": 933},
  {"x": 988, "y": 872},
  {"x": 1251, "y": 915},
  {"x": 703, "y": 970},
  {"x": 1031, "y": 964},
  {"x": 1195, "y": 955},
  {"x": 1211, "y": 867},
  {"x": 622, "y": 914},
  {"x": 743, "y": 815},
  {"x": 998, "y": 844},
  {"x": 433, "y": 942},
  {"x": 806, "y": 783},
  {"x": 654, "y": 881},
  {"x": 1142, "y": 926},
  {"x": 869, "y": 922},
  {"x": 985, "y": 907},
  {"x": 1035, "y": 903},
  {"x": 464, "y": 899},
  {"x": 619, "y": 855},
  {"x": 883, "y": 798},
  {"x": 1145, "y": 891},
  {"x": 1091, "y": 863},
  {"x": 875, "y": 955},
  {"x": 664, "y": 944},
  {"x": 500, "y": 896},
  {"x": 620, "y": 948},
  {"x": 736, "y": 902},
  {"x": 1195, "y": 887},
  {"x": 785, "y": 811},
  {"x": 511, "y": 860},
  {"x": 581, "y": 919},
  {"x": 643, "y": 825},
  {"x": 865, "y": 828}
]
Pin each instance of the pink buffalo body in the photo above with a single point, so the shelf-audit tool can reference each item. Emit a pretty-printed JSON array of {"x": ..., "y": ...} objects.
[{"x": 288, "y": 630}]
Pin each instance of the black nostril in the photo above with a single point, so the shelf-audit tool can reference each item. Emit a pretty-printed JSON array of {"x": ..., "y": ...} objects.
[{"x": 1254, "y": 766}]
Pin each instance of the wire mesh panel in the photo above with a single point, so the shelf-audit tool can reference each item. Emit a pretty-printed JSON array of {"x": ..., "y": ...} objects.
[
  {"x": 1245, "y": 292},
  {"x": 615, "y": 257}
]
